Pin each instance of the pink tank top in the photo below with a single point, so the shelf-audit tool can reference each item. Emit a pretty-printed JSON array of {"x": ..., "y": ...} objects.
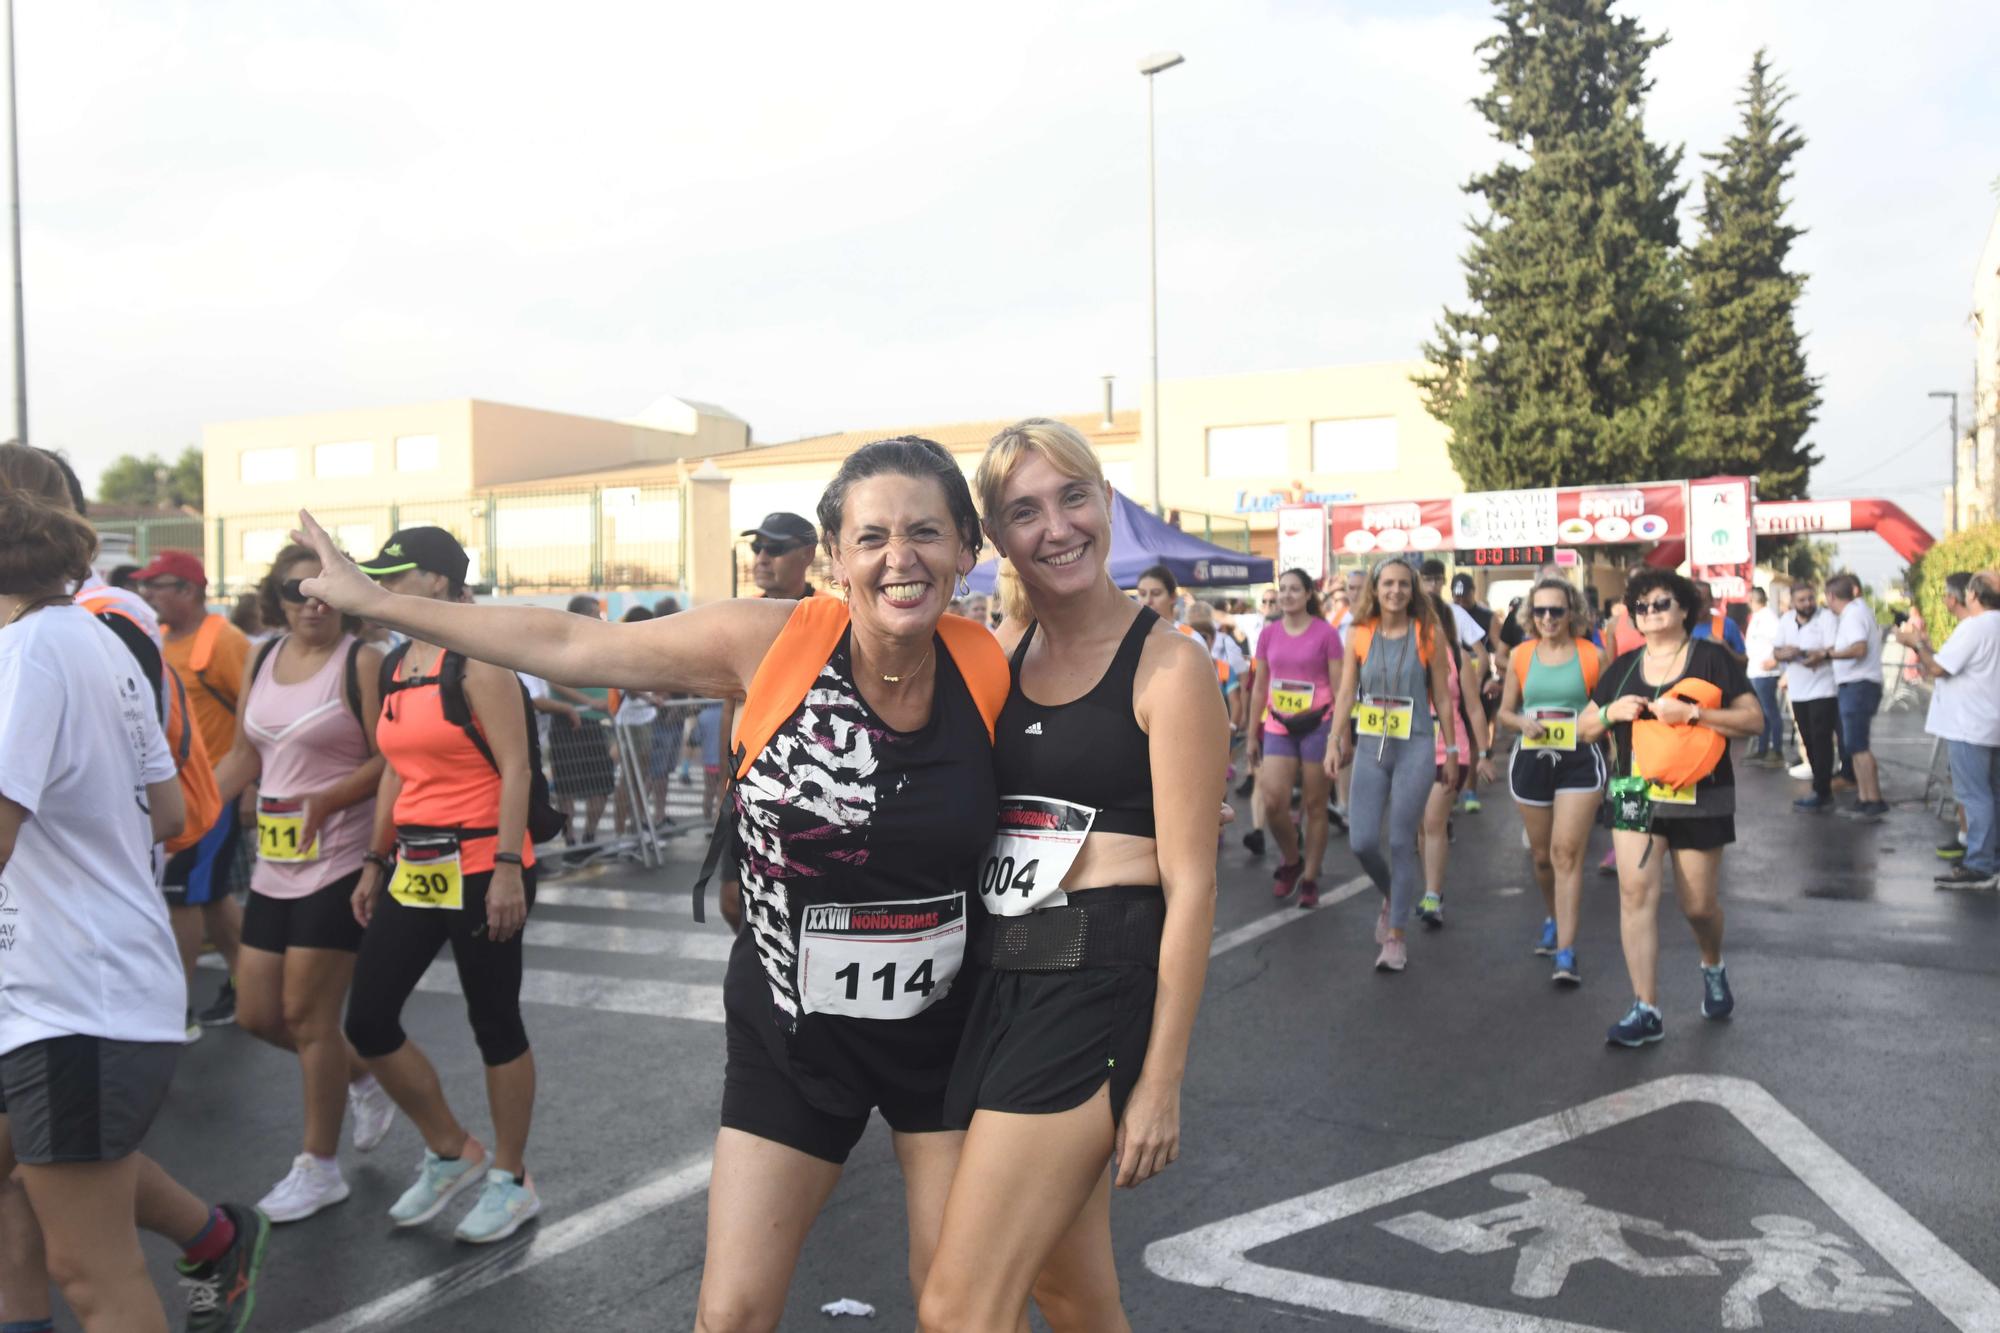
[{"x": 308, "y": 739}]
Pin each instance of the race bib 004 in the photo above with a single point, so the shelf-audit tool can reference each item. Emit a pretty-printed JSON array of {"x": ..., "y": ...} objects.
[
  {"x": 427, "y": 875},
  {"x": 880, "y": 960},
  {"x": 1385, "y": 715},
  {"x": 1291, "y": 696},
  {"x": 280, "y": 824},
  {"x": 1558, "y": 729},
  {"x": 1037, "y": 842}
]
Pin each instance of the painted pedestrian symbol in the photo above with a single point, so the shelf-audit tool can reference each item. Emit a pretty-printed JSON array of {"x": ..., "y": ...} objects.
[{"x": 1557, "y": 1229}]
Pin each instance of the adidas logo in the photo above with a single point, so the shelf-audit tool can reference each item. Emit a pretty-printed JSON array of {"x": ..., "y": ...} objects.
[{"x": 1034, "y": 729}]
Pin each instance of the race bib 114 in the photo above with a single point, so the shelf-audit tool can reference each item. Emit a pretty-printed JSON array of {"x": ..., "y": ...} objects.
[{"x": 880, "y": 960}]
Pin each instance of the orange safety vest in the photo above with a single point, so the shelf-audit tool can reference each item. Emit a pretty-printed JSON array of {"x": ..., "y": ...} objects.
[{"x": 1586, "y": 656}]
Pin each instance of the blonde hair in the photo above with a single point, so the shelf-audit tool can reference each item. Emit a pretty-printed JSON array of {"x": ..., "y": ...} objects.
[
  {"x": 1574, "y": 608},
  {"x": 1061, "y": 444},
  {"x": 1012, "y": 596}
]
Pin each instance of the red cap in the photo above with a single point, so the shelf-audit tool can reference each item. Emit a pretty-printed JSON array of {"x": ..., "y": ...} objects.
[{"x": 174, "y": 565}]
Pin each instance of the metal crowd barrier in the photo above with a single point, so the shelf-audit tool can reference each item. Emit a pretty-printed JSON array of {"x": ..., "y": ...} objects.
[{"x": 628, "y": 787}]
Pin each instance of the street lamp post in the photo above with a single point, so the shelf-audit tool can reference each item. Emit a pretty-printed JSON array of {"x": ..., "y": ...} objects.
[
  {"x": 1953, "y": 395},
  {"x": 1157, "y": 63}
]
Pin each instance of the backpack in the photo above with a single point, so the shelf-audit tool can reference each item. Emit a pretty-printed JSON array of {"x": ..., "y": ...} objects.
[
  {"x": 545, "y": 822},
  {"x": 1591, "y": 662},
  {"x": 1359, "y": 637},
  {"x": 350, "y": 680},
  {"x": 192, "y": 766},
  {"x": 787, "y": 673}
]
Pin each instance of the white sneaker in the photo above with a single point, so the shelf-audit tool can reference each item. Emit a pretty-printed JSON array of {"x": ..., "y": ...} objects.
[
  {"x": 1802, "y": 771},
  {"x": 311, "y": 1186},
  {"x": 370, "y": 1111}
]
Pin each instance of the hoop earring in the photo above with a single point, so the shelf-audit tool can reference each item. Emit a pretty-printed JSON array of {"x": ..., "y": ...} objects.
[{"x": 964, "y": 588}]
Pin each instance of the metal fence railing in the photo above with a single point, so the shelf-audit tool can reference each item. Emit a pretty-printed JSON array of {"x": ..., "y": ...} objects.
[
  {"x": 628, "y": 785},
  {"x": 147, "y": 537},
  {"x": 520, "y": 541}
]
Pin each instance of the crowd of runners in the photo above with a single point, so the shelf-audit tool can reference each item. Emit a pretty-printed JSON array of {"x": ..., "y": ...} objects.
[{"x": 968, "y": 847}]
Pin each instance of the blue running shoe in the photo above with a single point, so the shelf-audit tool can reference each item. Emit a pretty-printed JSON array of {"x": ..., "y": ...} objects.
[
  {"x": 1566, "y": 973},
  {"x": 1472, "y": 806},
  {"x": 1546, "y": 945},
  {"x": 1640, "y": 1025},
  {"x": 1716, "y": 1001},
  {"x": 1811, "y": 805}
]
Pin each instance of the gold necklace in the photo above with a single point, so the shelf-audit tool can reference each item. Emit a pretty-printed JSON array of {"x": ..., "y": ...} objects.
[{"x": 898, "y": 680}]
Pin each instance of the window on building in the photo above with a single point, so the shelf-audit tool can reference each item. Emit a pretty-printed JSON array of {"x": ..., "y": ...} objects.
[
  {"x": 416, "y": 453},
  {"x": 345, "y": 458},
  {"x": 1358, "y": 444},
  {"x": 261, "y": 466},
  {"x": 1248, "y": 451},
  {"x": 261, "y": 546}
]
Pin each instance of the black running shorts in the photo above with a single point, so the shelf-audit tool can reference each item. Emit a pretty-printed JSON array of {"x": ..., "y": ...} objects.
[
  {"x": 1536, "y": 776},
  {"x": 83, "y": 1099},
  {"x": 323, "y": 919}
]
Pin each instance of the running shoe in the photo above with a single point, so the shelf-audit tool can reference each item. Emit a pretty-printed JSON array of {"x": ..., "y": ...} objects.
[
  {"x": 310, "y": 1186},
  {"x": 222, "y": 1292},
  {"x": 1812, "y": 805},
  {"x": 1950, "y": 851},
  {"x": 1472, "y": 805},
  {"x": 1640, "y": 1025},
  {"x": 438, "y": 1182},
  {"x": 1959, "y": 877},
  {"x": 1336, "y": 819},
  {"x": 223, "y": 1012},
  {"x": 370, "y": 1112},
  {"x": 1254, "y": 841},
  {"x": 1308, "y": 893},
  {"x": 191, "y": 1033},
  {"x": 1870, "y": 810},
  {"x": 1248, "y": 785},
  {"x": 1546, "y": 945},
  {"x": 1382, "y": 924},
  {"x": 1716, "y": 999},
  {"x": 1288, "y": 878},
  {"x": 1430, "y": 910},
  {"x": 1566, "y": 973},
  {"x": 1395, "y": 956},
  {"x": 1802, "y": 771},
  {"x": 503, "y": 1206}
]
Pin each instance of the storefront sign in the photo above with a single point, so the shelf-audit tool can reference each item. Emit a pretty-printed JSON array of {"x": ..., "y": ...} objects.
[
  {"x": 1783, "y": 518},
  {"x": 1302, "y": 539},
  {"x": 1267, "y": 502},
  {"x": 1556, "y": 516}
]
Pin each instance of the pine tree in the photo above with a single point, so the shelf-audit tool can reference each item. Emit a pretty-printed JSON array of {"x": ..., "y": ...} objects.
[
  {"x": 1565, "y": 368},
  {"x": 1750, "y": 401}
]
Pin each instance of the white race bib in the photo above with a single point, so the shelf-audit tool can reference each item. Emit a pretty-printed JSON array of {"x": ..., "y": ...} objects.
[
  {"x": 1037, "y": 842},
  {"x": 880, "y": 960}
]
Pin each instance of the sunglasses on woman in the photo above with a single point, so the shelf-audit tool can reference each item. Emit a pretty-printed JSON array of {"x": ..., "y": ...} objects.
[
  {"x": 1656, "y": 606},
  {"x": 1550, "y": 612}
]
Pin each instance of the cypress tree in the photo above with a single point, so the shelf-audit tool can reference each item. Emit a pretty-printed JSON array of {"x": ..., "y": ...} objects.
[
  {"x": 1565, "y": 367},
  {"x": 1750, "y": 401}
]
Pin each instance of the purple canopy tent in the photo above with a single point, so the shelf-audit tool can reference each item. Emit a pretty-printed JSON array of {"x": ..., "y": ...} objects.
[{"x": 1140, "y": 540}]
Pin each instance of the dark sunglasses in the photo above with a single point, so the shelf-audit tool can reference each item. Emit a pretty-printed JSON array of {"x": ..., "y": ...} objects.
[
  {"x": 291, "y": 592},
  {"x": 774, "y": 548},
  {"x": 1550, "y": 612},
  {"x": 1657, "y": 605}
]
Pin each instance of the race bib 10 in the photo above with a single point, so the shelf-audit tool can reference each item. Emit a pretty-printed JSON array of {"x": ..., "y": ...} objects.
[
  {"x": 428, "y": 875},
  {"x": 1386, "y": 715},
  {"x": 1558, "y": 729},
  {"x": 1037, "y": 841},
  {"x": 880, "y": 960},
  {"x": 280, "y": 825}
]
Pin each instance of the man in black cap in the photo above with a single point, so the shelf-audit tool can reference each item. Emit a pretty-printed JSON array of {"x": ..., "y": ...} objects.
[{"x": 782, "y": 548}]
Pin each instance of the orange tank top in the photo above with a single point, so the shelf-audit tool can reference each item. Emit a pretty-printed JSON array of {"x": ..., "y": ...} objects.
[{"x": 447, "y": 783}]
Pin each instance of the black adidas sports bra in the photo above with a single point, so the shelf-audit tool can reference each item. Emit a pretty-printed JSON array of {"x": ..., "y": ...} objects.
[{"x": 1089, "y": 751}]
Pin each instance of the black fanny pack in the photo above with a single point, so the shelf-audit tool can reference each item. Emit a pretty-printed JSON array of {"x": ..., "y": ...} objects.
[
  {"x": 1096, "y": 928},
  {"x": 1306, "y": 723}
]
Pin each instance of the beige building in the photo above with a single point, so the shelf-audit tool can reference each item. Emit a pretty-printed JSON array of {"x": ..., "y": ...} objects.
[{"x": 1979, "y": 445}]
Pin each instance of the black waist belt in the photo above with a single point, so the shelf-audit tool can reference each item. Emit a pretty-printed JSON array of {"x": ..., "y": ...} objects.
[
  {"x": 1097, "y": 928},
  {"x": 423, "y": 831}
]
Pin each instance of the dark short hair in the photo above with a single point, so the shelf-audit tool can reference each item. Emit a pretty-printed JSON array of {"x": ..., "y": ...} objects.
[
  {"x": 121, "y": 575},
  {"x": 586, "y": 604},
  {"x": 1685, "y": 590},
  {"x": 634, "y": 614},
  {"x": 1433, "y": 568},
  {"x": 1986, "y": 587},
  {"x": 1165, "y": 577},
  {"x": 904, "y": 456},
  {"x": 1955, "y": 583},
  {"x": 1844, "y": 586},
  {"x": 1312, "y": 594}
]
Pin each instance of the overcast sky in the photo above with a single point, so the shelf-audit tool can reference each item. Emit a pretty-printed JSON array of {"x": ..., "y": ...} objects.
[{"x": 933, "y": 212}]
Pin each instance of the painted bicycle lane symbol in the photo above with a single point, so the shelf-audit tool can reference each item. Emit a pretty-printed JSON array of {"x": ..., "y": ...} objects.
[
  {"x": 1786, "y": 1259},
  {"x": 1557, "y": 1229}
]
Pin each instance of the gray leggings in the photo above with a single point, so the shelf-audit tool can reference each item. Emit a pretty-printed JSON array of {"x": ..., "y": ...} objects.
[{"x": 1397, "y": 783}]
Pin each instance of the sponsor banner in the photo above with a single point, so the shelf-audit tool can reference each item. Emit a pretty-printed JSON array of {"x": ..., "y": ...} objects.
[
  {"x": 1719, "y": 521},
  {"x": 1783, "y": 518},
  {"x": 1302, "y": 539},
  {"x": 1557, "y": 516}
]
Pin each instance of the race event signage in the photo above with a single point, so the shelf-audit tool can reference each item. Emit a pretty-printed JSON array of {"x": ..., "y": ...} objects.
[{"x": 1551, "y": 516}]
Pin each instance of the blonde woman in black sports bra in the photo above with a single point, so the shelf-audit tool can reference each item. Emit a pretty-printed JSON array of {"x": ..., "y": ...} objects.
[{"x": 1099, "y": 900}]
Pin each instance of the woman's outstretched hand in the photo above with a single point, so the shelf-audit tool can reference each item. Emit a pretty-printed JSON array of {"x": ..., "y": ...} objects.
[{"x": 340, "y": 582}]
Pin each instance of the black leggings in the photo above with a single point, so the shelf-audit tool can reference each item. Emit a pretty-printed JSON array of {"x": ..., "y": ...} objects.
[
  {"x": 1819, "y": 723},
  {"x": 402, "y": 942}
]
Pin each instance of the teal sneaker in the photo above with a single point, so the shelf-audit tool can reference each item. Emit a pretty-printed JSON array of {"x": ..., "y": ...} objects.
[
  {"x": 503, "y": 1206},
  {"x": 438, "y": 1182}
]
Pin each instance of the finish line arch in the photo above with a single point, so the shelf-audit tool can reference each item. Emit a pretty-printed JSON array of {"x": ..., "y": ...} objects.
[{"x": 1812, "y": 518}]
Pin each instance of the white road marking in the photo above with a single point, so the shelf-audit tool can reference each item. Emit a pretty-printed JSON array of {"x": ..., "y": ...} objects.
[
  {"x": 623, "y": 900},
  {"x": 1285, "y": 915},
  {"x": 643, "y": 996},
  {"x": 550, "y": 1240},
  {"x": 1214, "y": 1255},
  {"x": 707, "y": 946}
]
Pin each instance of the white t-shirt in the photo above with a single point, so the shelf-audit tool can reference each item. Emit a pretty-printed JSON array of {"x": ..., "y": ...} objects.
[
  {"x": 1965, "y": 706},
  {"x": 1225, "y": 651},
  {"x": 537, "y": 689},
  {"x": 1802, "y": 682},
  {"x": 85, "y": 949},
  {"x": 1469, "y": 633},
  {"x": 1759, "y": 640},
  {"x": 1857, "y": 624}
]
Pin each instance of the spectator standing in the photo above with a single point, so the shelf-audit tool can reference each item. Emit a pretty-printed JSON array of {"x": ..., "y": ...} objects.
[
  {"x": 1965, "y": 714},
  {"x": 1805, "y": 646},
  {"x": 1768, "y": 747},
  {"x": 1857, "y": 674},
  {"x": 210, "y": 654}
]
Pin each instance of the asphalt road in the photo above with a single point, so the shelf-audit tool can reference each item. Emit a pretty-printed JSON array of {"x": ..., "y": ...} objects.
[{"x": 1451, "y": 1148}]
